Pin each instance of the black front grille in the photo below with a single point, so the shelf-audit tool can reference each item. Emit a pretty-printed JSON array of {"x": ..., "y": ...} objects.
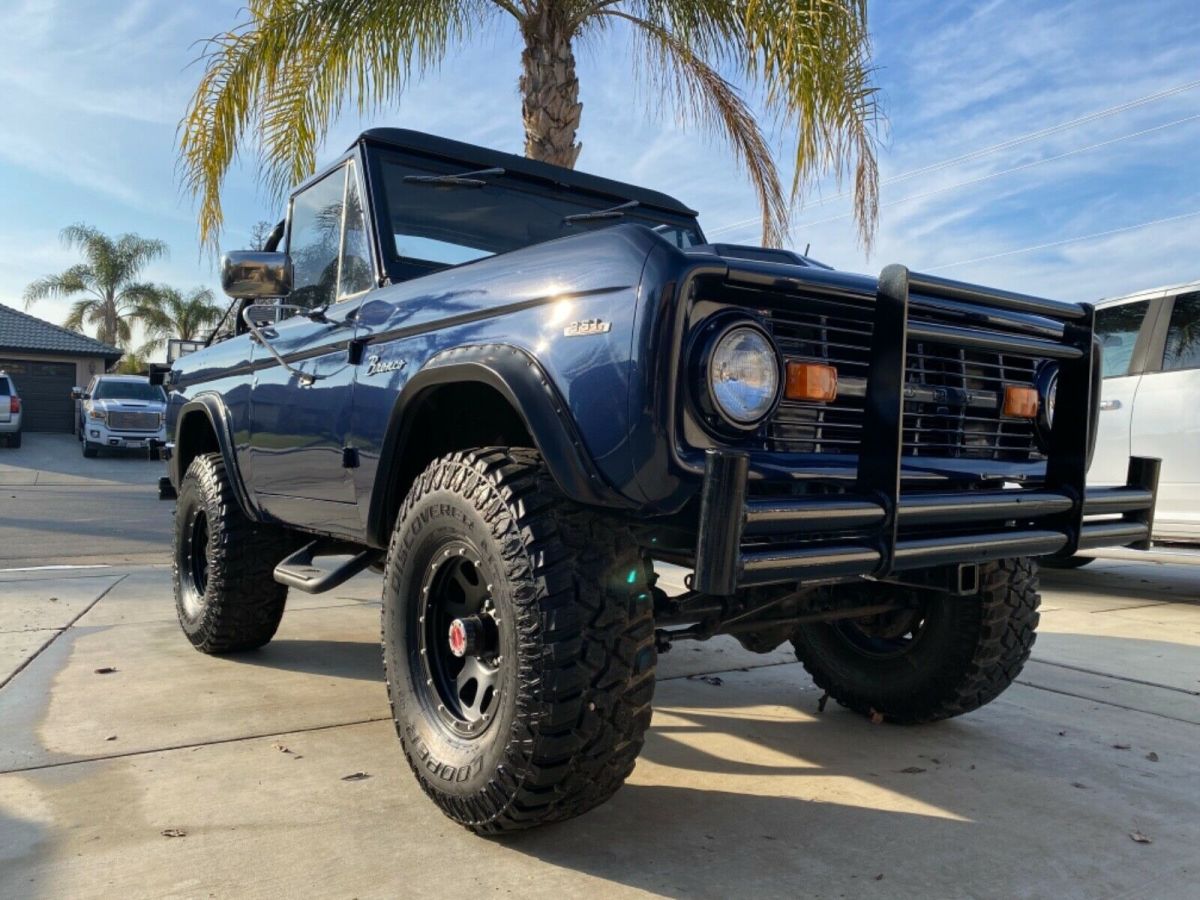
[{"x": 955, "y": 395}]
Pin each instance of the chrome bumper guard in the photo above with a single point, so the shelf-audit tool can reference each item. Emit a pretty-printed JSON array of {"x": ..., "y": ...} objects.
[{"x": 876, "y": 530}]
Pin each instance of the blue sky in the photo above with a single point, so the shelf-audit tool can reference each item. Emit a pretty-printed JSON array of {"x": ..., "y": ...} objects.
[{"x": 984, "y": 177}]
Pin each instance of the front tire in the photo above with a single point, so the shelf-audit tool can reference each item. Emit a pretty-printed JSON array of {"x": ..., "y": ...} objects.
[
  {"x": 225, "y": 594},
  {"x": 941, "y": 657},
  {"x": 90, "y": 450},
  {"x": 542, "y": 714}
]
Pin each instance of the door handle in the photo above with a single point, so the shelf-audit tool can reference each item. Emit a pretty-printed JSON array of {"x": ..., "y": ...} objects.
[{"x": 1106, "y": 405}]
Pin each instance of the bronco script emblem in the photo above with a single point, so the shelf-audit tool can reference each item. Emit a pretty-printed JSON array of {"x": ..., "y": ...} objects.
[
  {"x": 586, "y": 327},
  {"x": 375, "y": 365}
]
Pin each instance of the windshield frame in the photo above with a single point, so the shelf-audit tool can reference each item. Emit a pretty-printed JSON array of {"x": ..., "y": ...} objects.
[
  {"x": 114, "y": 382},
  {"x": 398, "y": 268}
]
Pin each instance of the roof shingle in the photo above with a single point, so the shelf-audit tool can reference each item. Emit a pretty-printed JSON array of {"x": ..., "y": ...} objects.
[{"x": 22, "y": 332}]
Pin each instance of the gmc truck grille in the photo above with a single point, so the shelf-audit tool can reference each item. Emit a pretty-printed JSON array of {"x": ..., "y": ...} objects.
[
  {"x": 954, "y": 395},
  {"x": 133, "y": 421}
]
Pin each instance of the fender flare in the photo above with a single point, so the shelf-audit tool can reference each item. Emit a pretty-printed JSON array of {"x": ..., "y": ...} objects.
[
  {"x": 520, "y": 379},
  {"x": 213, "y": 410}
]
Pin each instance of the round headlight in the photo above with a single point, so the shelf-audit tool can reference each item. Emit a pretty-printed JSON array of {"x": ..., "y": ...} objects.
[
  {"x": 1046, "y": 380},
  {"x": 743, "y": 375}
]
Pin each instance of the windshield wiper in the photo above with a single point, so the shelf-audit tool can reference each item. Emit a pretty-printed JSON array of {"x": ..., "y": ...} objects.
[
  {"x": 462, "y": 179},
  {"x": 613, "y": 212}
]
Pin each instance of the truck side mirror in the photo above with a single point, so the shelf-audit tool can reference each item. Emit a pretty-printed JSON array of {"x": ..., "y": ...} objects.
[
  {"x": 78, "y": 393},
  {"x": 256, "y": 274}
]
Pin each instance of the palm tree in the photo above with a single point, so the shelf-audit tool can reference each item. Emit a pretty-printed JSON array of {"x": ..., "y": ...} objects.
[
  {"x": 278, "y": 79},
  {"x": 170, "y": 314},
  {"x": 107, "y": 280}
]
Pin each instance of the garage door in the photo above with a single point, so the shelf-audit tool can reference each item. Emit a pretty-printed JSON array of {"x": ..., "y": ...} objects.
[{"x": 45, "y": 389}]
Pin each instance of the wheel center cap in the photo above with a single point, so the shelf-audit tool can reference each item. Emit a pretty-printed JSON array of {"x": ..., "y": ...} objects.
[{"x": 465, "y": 636}]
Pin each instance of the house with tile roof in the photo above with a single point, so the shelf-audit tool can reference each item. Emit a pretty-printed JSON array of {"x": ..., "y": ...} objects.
[{"x": 45, "y": 361}]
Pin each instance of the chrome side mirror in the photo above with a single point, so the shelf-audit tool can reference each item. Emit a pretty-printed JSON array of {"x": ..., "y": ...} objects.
[
  {"x": 256, "y": 274},
  {"x": 78, "y": 393}
]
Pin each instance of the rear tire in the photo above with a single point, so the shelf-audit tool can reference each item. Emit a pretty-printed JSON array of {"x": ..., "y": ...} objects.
[
  {"x": 14, "y": 441},
  {"x": 225, "y": 594},
  {"x": 543, "y": 717},
  {"x": 952, "y": 656}
]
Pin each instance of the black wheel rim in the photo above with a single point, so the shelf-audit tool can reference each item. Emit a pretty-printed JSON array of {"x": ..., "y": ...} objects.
[
  {"x": 193, "y": 566},
  {"x": 464, "y": 690},
  {"x": 886, "y": 635}
]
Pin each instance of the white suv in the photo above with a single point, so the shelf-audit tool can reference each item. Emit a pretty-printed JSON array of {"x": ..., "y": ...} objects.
[
  {"x": 10, "y": 411},
  {"x": 1150, "y": 400},
  {"x": 120, "y": 411}
]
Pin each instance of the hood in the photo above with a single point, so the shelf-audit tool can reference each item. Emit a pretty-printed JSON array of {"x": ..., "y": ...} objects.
[
  {"x": 122, "y": 405},
  {"x": 757, "y": 254}
]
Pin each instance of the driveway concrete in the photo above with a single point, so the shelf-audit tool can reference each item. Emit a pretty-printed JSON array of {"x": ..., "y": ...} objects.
[
  {"x": 57, "y": 507},
  {"x": 744, "y": 788}
]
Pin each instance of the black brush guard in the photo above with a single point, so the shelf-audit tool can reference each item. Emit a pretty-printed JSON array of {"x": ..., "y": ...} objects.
[{"x": 881, "y": 530}]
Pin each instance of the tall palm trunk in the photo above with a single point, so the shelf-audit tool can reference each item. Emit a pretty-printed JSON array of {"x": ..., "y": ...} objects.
[
  {"x": 550, "y": 103},
  {"x": 109, "y": 328}
]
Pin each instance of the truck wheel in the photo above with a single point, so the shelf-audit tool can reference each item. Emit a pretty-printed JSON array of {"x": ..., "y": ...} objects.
[
  {"x": 943, "y": 657},
  {"x": 225, "y": 595},
  {"x": 14, "y": 440},
  {"x": 90, "y": 450},
  {"x": 518, "y": 643}
]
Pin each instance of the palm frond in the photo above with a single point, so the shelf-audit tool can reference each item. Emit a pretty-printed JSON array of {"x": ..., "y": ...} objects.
[
  {"x": 80, "y": 310},
  {"x": 76, "y": 280},
  {"x": 814, "y": 60},
  {"x": 136, "y": 252},
  {"x": 702, "y": 95},
  {"x": 285, "y": 74}
]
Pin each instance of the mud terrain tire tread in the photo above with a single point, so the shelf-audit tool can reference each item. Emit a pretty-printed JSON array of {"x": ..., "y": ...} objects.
[
  {"x": 991, "y": 642},
  {"x": 584, "y": 694},
  {"x": 244, "y": 603}
]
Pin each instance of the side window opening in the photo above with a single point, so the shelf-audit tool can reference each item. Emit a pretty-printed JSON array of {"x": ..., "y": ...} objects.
[
  {"x": 1183, "y": 335},
  {"x": 314, "y": 240},
  {"x": 1118, "y": 328}
]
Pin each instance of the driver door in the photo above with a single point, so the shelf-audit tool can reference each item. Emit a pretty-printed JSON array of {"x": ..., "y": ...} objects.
[
  {"x": 298, "y": 431},
  {"x": 1124, "y": 330}
]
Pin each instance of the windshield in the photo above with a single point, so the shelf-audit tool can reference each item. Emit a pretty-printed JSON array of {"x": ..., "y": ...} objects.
[
  {"x": 128, "y": 390},
  {"x": 434, "y": 226}
]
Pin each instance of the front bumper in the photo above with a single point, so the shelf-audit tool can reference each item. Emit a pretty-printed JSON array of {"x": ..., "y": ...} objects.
[
  {"x": 96, "y": 432},
  {"x": 874, "y": 529}
]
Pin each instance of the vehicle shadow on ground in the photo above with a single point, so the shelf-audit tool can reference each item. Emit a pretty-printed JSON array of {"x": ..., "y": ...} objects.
[
  {"x": 738, "y": 844},
  {"x": 360, "y": 660},
  {"x": 1128, "y": 583}
]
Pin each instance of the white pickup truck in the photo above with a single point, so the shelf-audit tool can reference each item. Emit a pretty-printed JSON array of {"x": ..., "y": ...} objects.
[{"x": 1150, "y": 400}]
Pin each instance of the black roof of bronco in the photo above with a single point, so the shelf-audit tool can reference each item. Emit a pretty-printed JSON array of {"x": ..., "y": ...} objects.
[{"x": 470, "y": 155}]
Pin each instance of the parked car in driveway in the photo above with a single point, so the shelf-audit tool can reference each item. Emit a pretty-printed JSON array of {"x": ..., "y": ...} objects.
[
  {"x": 120, "y": 412},
  {"x": 10, "y": 411},
  {"x": 1150, "y": 399}
]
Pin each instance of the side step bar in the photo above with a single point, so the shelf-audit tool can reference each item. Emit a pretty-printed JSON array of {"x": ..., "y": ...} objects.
[{"x": 300, "y": 570}]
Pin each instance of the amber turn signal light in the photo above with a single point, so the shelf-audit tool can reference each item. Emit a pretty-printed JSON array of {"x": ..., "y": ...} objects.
[
  {"x": 811, "y": 381},
  {"x": 1020, "y": 402}
]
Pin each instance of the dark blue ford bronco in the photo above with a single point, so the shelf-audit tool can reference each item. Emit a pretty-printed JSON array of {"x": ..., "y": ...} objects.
[{"x": 513, "y": 388}]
